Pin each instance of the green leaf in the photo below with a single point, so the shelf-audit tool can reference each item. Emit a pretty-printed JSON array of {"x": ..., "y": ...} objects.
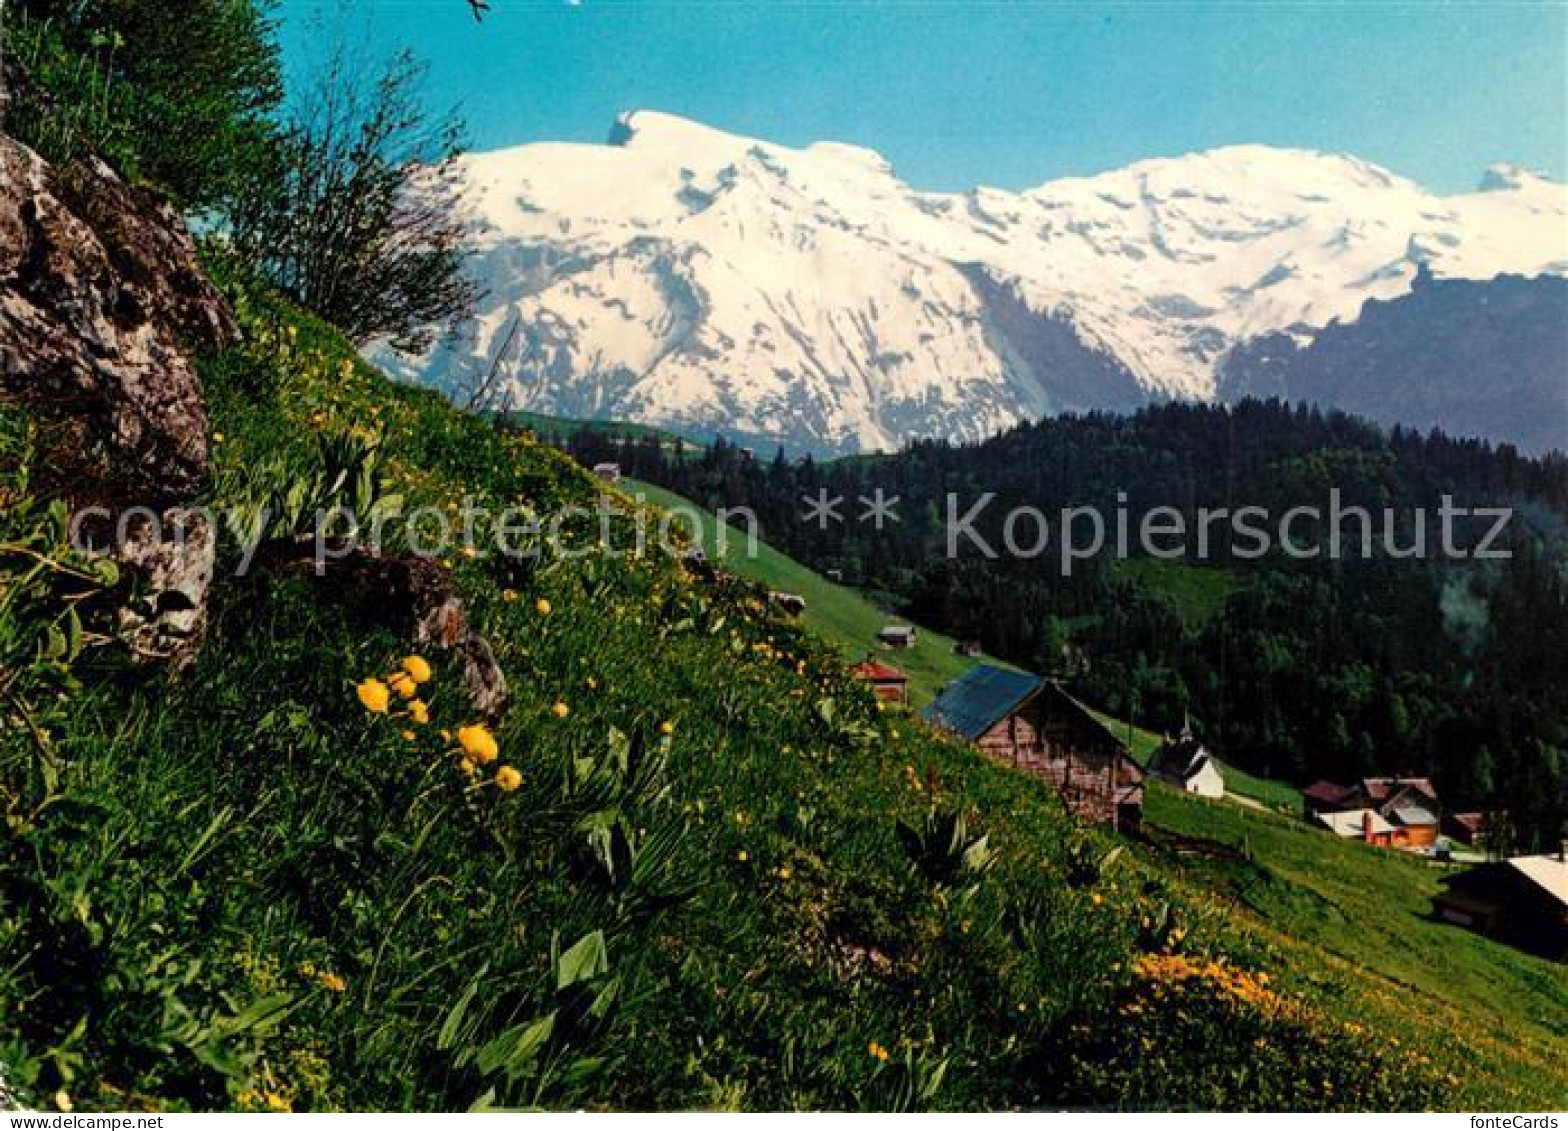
[
  {"x": 515, "y": 1049},
  {"x": 588, "y": 957},
  {"x": 447, "y": 1038}
]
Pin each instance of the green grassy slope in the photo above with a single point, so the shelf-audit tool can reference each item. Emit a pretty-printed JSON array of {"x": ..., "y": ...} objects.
[
  {"x": 724, "y": 878},
  {"x": 837, "y": 612}
]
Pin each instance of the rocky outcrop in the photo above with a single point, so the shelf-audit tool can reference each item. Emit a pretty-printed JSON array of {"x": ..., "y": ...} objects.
[
  {"x": 408, "y": 594},
  {"x": 101, "y": 302},
  {"x": 102, "y": 306}
]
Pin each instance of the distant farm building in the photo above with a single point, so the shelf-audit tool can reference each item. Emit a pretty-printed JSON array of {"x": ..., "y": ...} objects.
[
  {"x": 1359, "y": 824},
  {"x": 897, "y": 636},
  {"x": 792, "y": 603},
  {"x": 1409, "y": 805},
  {"x": 609, "y": 472},
  {"x": 1467, "y": 828},
  {"x": 1031, "y": 724},
  {"x": 1522, "y": 901},
  {"x": 967, "y": 648},
  {"x": 886, "y": 682},
  {"x": 1326, "y": 797},
  {"x": 1183, "y": 761}
]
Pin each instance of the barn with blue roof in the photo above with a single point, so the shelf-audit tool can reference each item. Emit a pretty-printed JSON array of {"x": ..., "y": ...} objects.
[{"x": 1033, "y": 725}]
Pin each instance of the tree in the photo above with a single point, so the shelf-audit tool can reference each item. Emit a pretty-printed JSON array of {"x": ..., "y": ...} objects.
[
  {"x": 361, "y": 219},
  {"x": 177, "y": 92}
]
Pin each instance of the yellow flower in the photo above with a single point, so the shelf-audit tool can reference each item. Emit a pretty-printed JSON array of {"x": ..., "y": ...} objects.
[
  {"x": 877, "y": 1052},
  {"x": 507, "y": 779},
  {"x": 782, "y": 871},
  {"x": 418, "y": 669},
  {"x": 666, "y": 728},
  {"x": 1097, "y": 899},
  {"x": 332, "y": 982},
  {"x": 403, "y": 684},
  {"x": 217, "y": 437},
  {"x": 478, "y": 743},
  {"x": 510, "y": 596},
  {"x": 374, "y": 695},
  {"x": 560, "y": 710},
  {"x": 419, "y": 712},
  {"x": 542, "y": 607},
  {"x": 466, "y": 768},
  {"x": 743, "y": 856},
  {"x": 408, "y": 736}
]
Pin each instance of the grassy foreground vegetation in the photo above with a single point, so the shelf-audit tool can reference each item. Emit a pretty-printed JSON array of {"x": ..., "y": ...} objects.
[
  {"x": 721, "y": 877},
  {"x": 1371, "y": 909}
]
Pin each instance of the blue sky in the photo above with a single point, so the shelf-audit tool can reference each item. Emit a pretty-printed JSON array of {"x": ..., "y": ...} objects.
[{"x": 1000, "y": 93}]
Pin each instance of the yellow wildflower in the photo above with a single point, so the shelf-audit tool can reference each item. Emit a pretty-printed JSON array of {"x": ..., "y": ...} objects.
[
  {"x": 403, "y": 684},
  {"x": 510, "y": 596},
  {"x": 374, "y": 695},
  {"x": 507, "y": 779},
  {"x": 877, "y": 1052},
  {"x": 418, "y": 669},
  {"x": 419, "y": 712},
  {"x": 743, "y": 856},
  {"x": 666, "y": 728},
  {"x": 332, "y": 982},
  {"x": 478, "y": 743},
  {"x": 560, "y": 710},
  {"x": 542, "y": 607}
]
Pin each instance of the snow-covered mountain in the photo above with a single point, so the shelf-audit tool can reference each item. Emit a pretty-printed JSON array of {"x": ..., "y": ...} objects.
[{"x": 684, "y": 276}]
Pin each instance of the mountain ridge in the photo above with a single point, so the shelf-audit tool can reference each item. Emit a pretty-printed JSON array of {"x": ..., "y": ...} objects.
[{"x": 687, "y": 277}]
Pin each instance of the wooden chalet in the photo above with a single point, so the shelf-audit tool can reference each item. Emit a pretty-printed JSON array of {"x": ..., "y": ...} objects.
[
  {"x": 1409, "y": 805},
  {"x": 1522, "y": 901},
  {"x": 608, "y": 472},
  {"x": 1031, "y": 724},
  {"x": 1472, "y": 829},
  {"x": 897, "y": 636},
  {"x": 792, "y": 603},
  {"x": 886, "y": 682}
]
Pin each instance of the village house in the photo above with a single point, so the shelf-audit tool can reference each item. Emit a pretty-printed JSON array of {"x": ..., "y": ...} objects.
[
  {"x": 1366, "y": 825},
  {"x": 792, "y": 603},
  {"x": 970, "y": 648},
  {"x": 1185, "y": 763},
  {"x": 886, "y": 682},
  {"x": 1522, "y": 901},
  {"x": 897, "y": 636},
  {"x": 609, "y": 472},
  {"x": 1325, "y": 797},
  {"x": 1031, "y": 724},
  {"x": 1470, "y": 829},
  {"x": 1409, "y": 805}
]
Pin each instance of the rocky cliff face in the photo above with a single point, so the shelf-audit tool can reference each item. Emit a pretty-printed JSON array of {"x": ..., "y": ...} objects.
[
  {"x": 102, "y": 304},
  {"x": 101, "y": 300}
]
